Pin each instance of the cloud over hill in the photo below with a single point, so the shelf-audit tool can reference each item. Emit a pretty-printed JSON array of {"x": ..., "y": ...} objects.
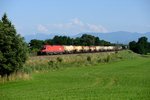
[{"x": 74, "y": 25}]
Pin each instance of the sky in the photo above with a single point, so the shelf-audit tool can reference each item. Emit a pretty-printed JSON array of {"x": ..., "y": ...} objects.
[{"x": 77, "y": 16}]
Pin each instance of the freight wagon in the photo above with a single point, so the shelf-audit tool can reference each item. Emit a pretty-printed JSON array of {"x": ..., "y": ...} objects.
[
  {"x": 85, "y": 48},
  {"x": 68, "y": 49}
]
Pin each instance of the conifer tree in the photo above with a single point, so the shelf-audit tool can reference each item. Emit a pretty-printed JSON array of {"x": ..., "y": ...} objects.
[{"x": 13, "y": 49}]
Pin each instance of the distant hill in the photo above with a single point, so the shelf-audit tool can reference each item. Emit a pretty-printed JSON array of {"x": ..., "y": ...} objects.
[
  {"x": 120, "y": 36},
  {"x": 114, "y": 37}
]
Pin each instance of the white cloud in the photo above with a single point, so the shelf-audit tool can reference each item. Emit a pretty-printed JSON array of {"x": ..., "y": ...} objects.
[
  {"x": 42, "y": 28},
  {"x": 73, "y": 26},
  {"x": 97, "y": 28},
  {"x": 76, "y": 21}
]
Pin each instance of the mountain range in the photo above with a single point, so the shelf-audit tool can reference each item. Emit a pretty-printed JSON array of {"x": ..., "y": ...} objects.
[{"x": 113, "y": 37}]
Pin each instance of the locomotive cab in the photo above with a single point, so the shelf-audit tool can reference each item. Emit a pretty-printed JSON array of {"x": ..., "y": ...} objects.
[
  {"x": 51, "y": 49},
  {"x": 42, "y": 50}
]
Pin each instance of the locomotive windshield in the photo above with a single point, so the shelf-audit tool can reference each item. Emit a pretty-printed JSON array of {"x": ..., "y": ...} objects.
[{"x": 43, "y": 48}]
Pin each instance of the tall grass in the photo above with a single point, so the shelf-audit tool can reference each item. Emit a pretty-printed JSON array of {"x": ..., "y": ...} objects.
[
  {"x": 55, "y": 62},
  {"x": 42, "y": 63},
  {"x": 14, "y": 77}
]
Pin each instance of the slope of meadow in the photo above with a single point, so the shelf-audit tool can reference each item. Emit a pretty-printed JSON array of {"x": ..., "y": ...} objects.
[{"x": 124, "y": 78}]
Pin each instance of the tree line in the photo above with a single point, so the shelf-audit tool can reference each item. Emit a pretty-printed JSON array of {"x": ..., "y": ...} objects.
[
  {"x": 84, "y": 40},
  {"x": 142, "y": 46}
]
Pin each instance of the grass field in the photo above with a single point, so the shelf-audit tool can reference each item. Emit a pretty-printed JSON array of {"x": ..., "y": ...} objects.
[{"x": 124, "y": 79}]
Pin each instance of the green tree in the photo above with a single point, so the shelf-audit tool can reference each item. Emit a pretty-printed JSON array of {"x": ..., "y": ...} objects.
[
  {"x": 148, "y": 47},
  {"x": 104, "y": 43},
  {"x": 87, "y": 40},
  {"x": 13, "y": 49},
  {"x": 77, "y": 41},
  {"x": 57, "y": 40},
  {"x": 62, "y": 40},
  {"x": 97, "y": 41},
  {"x": 36, "y": 44},
  {"x": 49, "y": 41},
  {"x": 133, "y": 46},
  {"x": 142, "y": 45}
]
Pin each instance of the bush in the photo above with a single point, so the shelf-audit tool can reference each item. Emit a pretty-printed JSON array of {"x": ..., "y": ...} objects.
[
  {"x": 53, "y": 64},
  {"x": 59, "y": 59},
  {"x": 89, "y": 59}
]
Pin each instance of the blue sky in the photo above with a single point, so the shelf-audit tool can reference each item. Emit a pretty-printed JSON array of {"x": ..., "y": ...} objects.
[{"x": 76, "y": 16}]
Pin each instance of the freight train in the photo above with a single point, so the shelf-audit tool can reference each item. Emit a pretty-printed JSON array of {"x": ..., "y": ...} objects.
[{"x": 63, "y": 49}]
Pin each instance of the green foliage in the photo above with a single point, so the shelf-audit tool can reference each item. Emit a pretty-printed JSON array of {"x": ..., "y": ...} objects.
[
  {"x": 149, "y": 47},
  {"x": 141, "y": 47},
  {"x": 36, "y": 44},
  {"x": 104, "y": 43},
  {"x": 61, "y": 40},
  {"x": 133, "y": 46},
  {"x": 87, "y": 40},
  {"x": 13, "y": 49},
  {"x": 34, "y": 52},
  {"x": 59, "y": 59},
  {"x": 53, "y": 65},
  {"x": 89, "y": 59}
]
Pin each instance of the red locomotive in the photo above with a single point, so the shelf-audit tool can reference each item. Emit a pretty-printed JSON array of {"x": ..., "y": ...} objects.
[{"x": 51, "y": 49}]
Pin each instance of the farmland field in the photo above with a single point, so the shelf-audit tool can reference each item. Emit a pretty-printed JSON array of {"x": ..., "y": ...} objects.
[{"x": 124, "y": 79}]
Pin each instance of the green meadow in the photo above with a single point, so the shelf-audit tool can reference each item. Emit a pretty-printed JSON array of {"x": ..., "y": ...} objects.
[{"x": 96, "y": 76}]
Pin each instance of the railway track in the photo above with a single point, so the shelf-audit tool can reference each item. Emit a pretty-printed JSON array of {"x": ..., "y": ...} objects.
[{"x": 81, "y": 53}]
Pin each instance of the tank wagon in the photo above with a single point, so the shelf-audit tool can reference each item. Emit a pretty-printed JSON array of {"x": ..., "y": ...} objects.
[
  {"x": 68, "y": 49},
  {"x": 92, "y": 48},
  {"x": 85, "y": 48},
  {"x": 77, "y": 49},
  {"x": 63, "y": 49}
]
